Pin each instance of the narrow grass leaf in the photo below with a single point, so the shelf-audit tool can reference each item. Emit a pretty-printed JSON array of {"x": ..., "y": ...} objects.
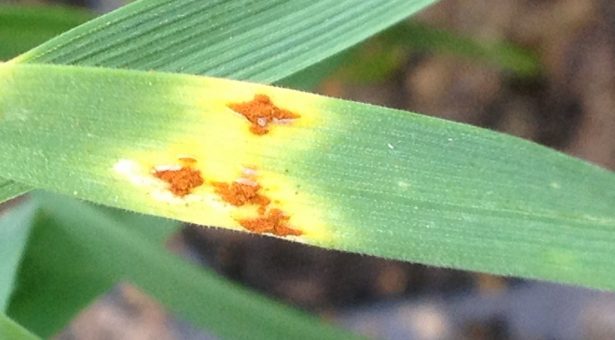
[
  {"x": 266, "y": 41},
  {"x": 258, "y": 41},
  {"x": 327, "y": 172},
  {"x": 23, "y": 27},
  {"x": 14, "y": 229},
  {"x": 423, "y": 38},
  {"x": 11, "y": 330},
  {"x": 94, "y": 250},
  {"x": 386, "y": 52}
]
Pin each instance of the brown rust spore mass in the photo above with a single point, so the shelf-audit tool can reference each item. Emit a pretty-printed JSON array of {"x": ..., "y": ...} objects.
[
  {"x": 273, "y": 222},
  {"x": 267, "y": 220},
  {"x": 181, "y": 181},
  {"x": 261, "y": 112},
  {"x": 239, "y": 194}
]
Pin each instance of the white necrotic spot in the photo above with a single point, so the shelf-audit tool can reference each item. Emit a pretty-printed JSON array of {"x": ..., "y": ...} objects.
[
  {"x": 390, "y": 146},
  {"x": 125, "y": 166},
  {"x": 134, "y": 173}
]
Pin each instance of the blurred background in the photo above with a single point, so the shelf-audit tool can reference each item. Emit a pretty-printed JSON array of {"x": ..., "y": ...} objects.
[{"x": 542, "y": 70}]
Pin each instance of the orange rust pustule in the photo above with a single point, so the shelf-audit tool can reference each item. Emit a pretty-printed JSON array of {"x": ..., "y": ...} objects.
[
  {"x": 182, "y": 181},
  {"x": 261, "y": 112},
  {"x": 274, "y": 222},
  {"x": 239, "y": 194}
]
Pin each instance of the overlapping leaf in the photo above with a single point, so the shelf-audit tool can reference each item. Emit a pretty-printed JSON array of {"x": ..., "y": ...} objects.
[
  {"x": 93, "y": 250},
  {"x": 11, "y": 330},
  {"x": 23, "y": 27},
  {"x": 14, "y": 229}
]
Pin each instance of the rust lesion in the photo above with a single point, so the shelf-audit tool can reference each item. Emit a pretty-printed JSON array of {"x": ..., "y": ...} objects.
[
  {"x": 242, "y": 193},
  {"x": 247, "y": 192},
  {"x": 181, "y": 179},
  {"x": 265, "y": 216},
  {"x": 273, "y": 222},
  {"x": 261, "y": 112}
]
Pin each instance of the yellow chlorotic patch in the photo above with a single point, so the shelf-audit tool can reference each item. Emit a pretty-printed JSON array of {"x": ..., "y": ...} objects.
[
  {"x": 289, "y": 197},
  {"x": 218, "y": 95},
  {"x": 229, "y": 181},
  {"x": 275, "y": 202}
]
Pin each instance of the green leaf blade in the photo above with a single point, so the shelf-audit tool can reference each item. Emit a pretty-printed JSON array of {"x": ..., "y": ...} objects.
[
  {"x": 351, "y": 176},
  {"x": 259, "y": 41},
  {"x": 213, "y": 42},
  {"x": 461, "y": 197}
]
